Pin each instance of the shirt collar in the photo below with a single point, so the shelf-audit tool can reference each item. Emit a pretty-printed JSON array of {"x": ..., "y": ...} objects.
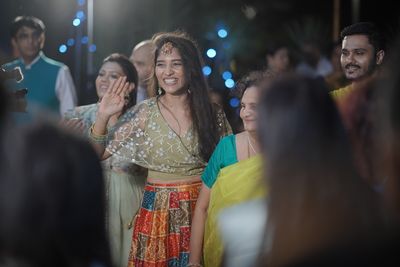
[{"x": 28, "y": 66}]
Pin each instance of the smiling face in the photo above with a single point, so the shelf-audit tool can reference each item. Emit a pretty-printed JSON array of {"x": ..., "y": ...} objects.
[
  {"x": 108, "y": 74},
  {"x": 170, "y": 73},
  {"x": 248, "y": 110},
  {"x": 358, "y": 58},
  {"x": 28, "y": 42}
]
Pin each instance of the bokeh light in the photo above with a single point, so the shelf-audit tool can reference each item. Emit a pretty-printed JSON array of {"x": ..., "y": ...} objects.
[
  {"x": 211, "y": 53},
  {"x": 207, "y": 70}
]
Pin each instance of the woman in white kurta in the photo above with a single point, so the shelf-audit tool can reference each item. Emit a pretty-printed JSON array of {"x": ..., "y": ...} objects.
[{"x": 124, "y": 179}]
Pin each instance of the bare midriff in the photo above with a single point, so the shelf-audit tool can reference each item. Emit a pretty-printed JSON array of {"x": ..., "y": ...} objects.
[{"x": 167, "y": 178}]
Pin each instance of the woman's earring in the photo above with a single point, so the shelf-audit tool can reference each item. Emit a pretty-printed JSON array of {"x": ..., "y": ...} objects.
[
  {"x": 189, "y": 92},
  {"x": 159, "y": 91}
]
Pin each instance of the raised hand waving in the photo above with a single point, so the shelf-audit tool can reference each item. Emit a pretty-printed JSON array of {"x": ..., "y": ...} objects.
[{"x": 113, "y": 100}]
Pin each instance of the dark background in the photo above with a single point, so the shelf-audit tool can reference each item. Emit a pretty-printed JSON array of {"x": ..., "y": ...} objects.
[{"x": 119, "y": 24}]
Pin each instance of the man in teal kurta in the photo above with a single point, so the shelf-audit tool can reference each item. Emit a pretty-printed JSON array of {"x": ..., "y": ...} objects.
[{"x": 49, "y": 82}]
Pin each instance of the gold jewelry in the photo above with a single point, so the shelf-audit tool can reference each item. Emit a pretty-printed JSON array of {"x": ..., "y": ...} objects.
[
  {"x": 251, "y": 146},
  {"x": 193, "y": 154},
  {"x": 173, "y": 115},
  {"x": 166, "y": 49},
  {"x": 127, "y": 97},
  {"x": 96, "y": 134},
  {"x": 97, "y": 138}
]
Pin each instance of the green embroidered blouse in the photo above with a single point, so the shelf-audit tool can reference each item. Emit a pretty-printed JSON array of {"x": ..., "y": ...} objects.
[{"x": 146, "y": 139}]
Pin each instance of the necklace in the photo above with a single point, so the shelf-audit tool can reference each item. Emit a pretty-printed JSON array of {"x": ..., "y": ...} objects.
[
  {"x": 173, "y": 115},
  {"x": 251, "y": 146},
  {"x": 193, "y": 154}
]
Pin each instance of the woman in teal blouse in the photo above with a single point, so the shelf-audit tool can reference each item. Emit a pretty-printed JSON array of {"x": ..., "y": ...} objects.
[
  {"x": 234, "y": 155},
  {"x": 223, "y": 156}
]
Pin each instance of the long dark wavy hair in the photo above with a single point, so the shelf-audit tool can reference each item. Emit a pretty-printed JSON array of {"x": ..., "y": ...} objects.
[
  {"x": 131, "y": 74},
  {"x": 202, "y": 111}
]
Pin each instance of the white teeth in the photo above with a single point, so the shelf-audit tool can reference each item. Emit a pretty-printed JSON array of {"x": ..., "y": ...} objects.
[
  {"x": 352, "y": 68},
  {"x": 170, "y": 81}
]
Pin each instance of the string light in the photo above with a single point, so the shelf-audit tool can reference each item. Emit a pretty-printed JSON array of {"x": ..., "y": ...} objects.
[
  {"x": 207, "y": 70},
  {"x": 234, "y": 102},
  {"x": 76, "y": 22},
  {"x": 229, "y": 83},
  {"x": 211, "y": 53},
  {"x": 227, "y": 75},
  {"x": 222, "y": 33},
  {"x": 62, "y": 49}
]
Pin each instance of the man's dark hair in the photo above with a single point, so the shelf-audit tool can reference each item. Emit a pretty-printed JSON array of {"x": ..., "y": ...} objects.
[
  {"x": 27, "y": 21},
  {"x": 366, "y": 28}
]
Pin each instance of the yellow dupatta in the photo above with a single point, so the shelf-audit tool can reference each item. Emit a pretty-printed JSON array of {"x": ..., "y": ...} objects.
[{"x": 235, "y": 183}]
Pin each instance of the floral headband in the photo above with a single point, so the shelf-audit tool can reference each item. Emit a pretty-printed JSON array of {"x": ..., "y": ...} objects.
[{"x": 166, "y": 49}]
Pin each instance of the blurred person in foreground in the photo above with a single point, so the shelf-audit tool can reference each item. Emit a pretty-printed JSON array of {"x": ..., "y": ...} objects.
[
  {"x": 320, "y": 212},
  {"x": 389, "y": 124},
  {"x": 52, "y": 205}
]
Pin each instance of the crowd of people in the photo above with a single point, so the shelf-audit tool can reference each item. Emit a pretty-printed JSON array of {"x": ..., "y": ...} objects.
[{"x": 153, "y": 174}]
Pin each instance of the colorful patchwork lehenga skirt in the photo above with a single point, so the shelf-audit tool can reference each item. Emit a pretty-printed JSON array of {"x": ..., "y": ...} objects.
[{"x": 161, "y": 233}]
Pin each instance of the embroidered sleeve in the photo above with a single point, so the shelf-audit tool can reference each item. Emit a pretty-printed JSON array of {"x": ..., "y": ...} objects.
[
  {"x": 86, "y": 113},
  {"x": 130, "y": 141}
]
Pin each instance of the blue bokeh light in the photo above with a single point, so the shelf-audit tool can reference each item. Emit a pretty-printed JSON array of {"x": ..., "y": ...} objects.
[
  {"x": 226, "y": 45},
  {"x": 207, "y": 70},
  {"x": 85, "y": 40},
  {"x": 227, "y": 75},
  {"x": 229, "y": 83},
  {"x": 211, "y": 53},
  {"x": 222, "y": 33},
  {"x": 80, "y": 14},
  {"x": 234, "y": 102},
  {"x": 81, "y": 2},
  {"x": 62, "y": 48},
  {"x": 76, "y": 22},
  {"x": 71, "y": 42},
  {"x": 92, "y": 48}
]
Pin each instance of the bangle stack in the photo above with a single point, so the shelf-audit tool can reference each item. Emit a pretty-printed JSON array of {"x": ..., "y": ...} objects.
[
  {"x": 190, "y": 264},
  {"x": 97, "y": 138}
]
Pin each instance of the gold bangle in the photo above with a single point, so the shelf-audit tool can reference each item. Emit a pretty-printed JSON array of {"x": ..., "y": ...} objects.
[
  {"x": 99, "y": 139},
  {"x": 194, "y": 265},
  {"x": 96, "y": 134}
]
